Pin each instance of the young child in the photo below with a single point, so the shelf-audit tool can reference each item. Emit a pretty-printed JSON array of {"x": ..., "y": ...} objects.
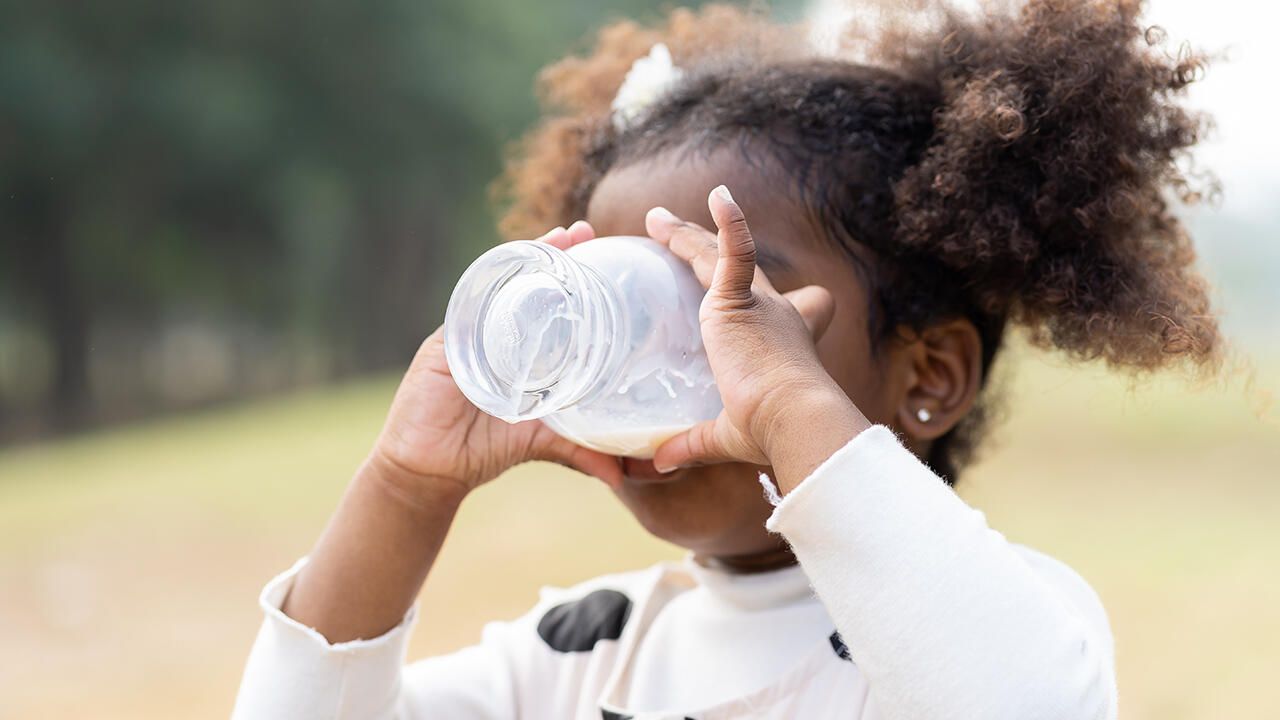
[{"x": 866, "y": 232}]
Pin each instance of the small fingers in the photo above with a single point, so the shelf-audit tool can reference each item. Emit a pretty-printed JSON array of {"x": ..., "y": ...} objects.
[
  {"x": 580, "y": 232},
  {"x": 598, "y": 465},
  {"x": 690, "y": 242},
  {"x": 589, "y": 462},
  {"x": 558, "y": 237},
  {"x": 815, "y": 305},
  {"x": 430, "y": 355},
  {"x": 660, "y": 223}
]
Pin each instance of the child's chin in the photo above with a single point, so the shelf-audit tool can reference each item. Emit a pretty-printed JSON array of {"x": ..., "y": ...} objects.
[{"x": 715, "y": 510}]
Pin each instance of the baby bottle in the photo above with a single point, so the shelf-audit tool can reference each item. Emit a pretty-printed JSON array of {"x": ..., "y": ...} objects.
[{"x": 600, "y": 341}]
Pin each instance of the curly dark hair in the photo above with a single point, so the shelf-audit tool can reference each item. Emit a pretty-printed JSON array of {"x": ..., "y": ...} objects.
[{"x": 1009, "y": 167}]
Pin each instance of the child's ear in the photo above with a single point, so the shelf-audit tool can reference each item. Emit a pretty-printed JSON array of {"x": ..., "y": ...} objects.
[{"x": 942, "y": 380}]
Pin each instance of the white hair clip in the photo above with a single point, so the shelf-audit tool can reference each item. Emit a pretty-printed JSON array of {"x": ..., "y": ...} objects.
[{"x": 646, "y": 81}]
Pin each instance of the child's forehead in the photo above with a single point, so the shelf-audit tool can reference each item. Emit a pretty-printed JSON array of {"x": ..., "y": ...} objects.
[
  {"x": 675, "y": 180},
  {"x": 681, "y": 181}
]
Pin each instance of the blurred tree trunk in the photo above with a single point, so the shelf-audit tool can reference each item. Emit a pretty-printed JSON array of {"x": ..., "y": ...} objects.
[
  {"x": 386, "y": 309},
  {"x": 44, "y": 263}
]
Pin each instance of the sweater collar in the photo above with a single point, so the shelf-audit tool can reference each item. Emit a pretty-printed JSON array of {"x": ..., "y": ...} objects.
[{"x": 751, "y": 592}]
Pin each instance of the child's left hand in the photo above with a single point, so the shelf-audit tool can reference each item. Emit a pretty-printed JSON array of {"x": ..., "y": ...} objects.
[{"x": 781, "y": 407}]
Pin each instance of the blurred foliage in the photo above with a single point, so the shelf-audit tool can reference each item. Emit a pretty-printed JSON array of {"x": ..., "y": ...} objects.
[{"x": 200, "y": 200}]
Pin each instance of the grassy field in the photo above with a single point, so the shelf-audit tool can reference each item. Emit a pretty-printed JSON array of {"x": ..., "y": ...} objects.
[{"x": 130, "y": 560}]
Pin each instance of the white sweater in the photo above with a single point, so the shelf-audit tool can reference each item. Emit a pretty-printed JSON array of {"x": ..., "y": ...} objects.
[{"x": 916, "y": 610}]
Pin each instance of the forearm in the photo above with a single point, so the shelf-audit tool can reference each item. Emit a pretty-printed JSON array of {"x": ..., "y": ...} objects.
[{"x": 371, "y": 560}]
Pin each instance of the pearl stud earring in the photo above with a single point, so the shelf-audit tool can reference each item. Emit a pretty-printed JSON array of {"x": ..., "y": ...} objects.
[{"x": 924, "y": 415}]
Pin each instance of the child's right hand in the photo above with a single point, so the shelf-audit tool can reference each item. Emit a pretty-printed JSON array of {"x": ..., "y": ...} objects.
[
  {"x": 434, "y": 435},
  {"x": 435, "y": 448}
]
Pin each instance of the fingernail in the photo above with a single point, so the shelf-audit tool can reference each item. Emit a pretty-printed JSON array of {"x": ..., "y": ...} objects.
[
  {"x": 664, "y": 215},
  {"x": 664, "y": 469},
  {"x": 723, "y": 192}
]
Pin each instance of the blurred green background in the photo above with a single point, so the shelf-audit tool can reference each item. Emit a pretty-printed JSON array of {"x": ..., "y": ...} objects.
[
  {"x": 224, "y": 227},
  {"x": 205, "y": 201}
]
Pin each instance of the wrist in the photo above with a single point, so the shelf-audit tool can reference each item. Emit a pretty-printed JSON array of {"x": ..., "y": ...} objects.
[
  {"x": 382, "y": 540},
  {"x": 818, "y": 419},
  {"x": 789, "y": 410},
  {"x": 418, "y": 494}
]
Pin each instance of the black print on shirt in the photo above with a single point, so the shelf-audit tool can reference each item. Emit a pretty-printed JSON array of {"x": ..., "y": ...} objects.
[
  {"x": 577, "y": 626},
  {"x": 837, "y": 644}
]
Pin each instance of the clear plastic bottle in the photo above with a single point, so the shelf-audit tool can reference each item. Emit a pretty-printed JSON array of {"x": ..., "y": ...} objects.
[{"x": 600, "y": 341}]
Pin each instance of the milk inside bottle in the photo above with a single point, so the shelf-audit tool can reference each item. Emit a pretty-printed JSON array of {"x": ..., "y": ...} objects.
[{"x": 600, "y": 341}]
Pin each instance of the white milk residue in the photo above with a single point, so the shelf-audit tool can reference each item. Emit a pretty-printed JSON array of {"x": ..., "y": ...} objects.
[
  {"x": 631, "y": 442},
  {"x": 663, "y": 376}
]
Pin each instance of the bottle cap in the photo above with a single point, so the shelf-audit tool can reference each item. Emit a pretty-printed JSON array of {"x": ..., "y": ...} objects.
[{"x": 521, "y": 331}]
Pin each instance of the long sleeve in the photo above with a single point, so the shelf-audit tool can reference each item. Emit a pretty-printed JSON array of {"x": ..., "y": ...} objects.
[
  {"x": 535, "y": 667},
  {"x": 293, "y": 672},
  {"x": 943, "y": 616}
]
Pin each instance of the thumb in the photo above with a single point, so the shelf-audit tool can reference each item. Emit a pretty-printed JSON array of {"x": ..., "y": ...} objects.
[
  {"x": 708, "y": 442},
  {"x": 815, "y": 305},
  {"x": 736, "y": 261}
]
